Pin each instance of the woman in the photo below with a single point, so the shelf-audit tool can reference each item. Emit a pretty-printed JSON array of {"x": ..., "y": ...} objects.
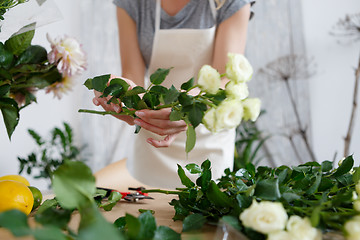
[{"x": 183, "y": 34}]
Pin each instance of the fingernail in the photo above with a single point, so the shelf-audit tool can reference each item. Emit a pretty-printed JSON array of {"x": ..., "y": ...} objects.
[
  {"x": 140, "y": 114},
  {"x": 137, "y": 122},
  {"x": 96, "y": 102},
  {"x": 149, "y": 141}
]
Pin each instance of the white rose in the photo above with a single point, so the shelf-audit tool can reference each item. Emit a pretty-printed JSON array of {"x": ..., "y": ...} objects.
[
  {"x": 280, "y": 235},
  {"x": 301, "y": 229},
  {"x": 354, "y": 196},
  {"x": 357, "y": 188},
  {"x": 265, "y": 217},
  {"x": 209, "y": 79},
  {"x": 229, "y": 114},
  {"x": 352, "y": 228},
  {"x": 209, "y": 120},
  {"x": 235, "y": 90},
  {"x": 251, "y": 109},
  {"x": 356, "y": 205},
  {"x": 238, "y": 68},
  {"x": 68, "y": 55}
]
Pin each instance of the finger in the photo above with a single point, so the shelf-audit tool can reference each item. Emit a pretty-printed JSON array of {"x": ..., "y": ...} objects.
[
  {"x": 161, "y": 130},
  {"x": 154, "y": 114},
  {"x": 166, "y": 142}
]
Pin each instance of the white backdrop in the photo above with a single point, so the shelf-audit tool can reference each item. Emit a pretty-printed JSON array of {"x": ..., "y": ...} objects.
[{"x": 330, "y": 89}]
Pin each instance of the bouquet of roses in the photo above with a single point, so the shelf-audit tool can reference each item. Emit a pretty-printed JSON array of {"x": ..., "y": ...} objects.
[
  {"x": 26, "y": 68},
  {"x": 216, "y": 108}
]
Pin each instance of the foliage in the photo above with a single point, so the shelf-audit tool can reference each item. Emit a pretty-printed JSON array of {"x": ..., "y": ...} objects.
[
  {"x": 5, "y": 5},
  {"x": 50, "y": 153},
  {"x": 320, "y": 192},
  {"x": 25, "y": 69}
]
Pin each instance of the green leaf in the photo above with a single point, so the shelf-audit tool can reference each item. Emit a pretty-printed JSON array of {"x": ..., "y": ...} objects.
[
  {"x": 184, "y": 179},
  {"x": 195, "y": 113},
  {"x": 326, "y": 166},
  {"x": 185, "y": 100},
  {"x": 19, "y": 43},
  {"x": 171, "y": 95},
  {"x": 49, "y": 233},
  {"x": 193, "y": 168},
  {"x": 159, "y": 90},
  {"x": 6, "y": 57},
  {"x": 180, "y": 211},
  {"x": 4, "y": 89},
  {"x": 16, "y": 222},
  {"x": 193, "y": 222},
  {"x": 48, "y": 203},
  {"x": 147, "y": 226},
  {"x": 151, "y": 100},
  {"x": 187, "y": 85},
  {"x": 190, "y": 138},
  {"x": 54, "y": 216},
  {"x": 120, "y": 223},
  {"x": 112, "y": 200},
  {"x": 36, "y": 137},
  {"x": 94, "y": 226},
  {"x": 133, "y": 226},
  {"x": 217, "y": 197},
  {"x": 345, "y": 167},
  {"x": 243, "y": 201},
  {"x": 204, "y": 179},
  {"x": 166, "y": 233},
  {"x": 32, "y": 55},
  {"x": 290, "y": 197},
  {"x": 98, "y": 83},
  {"x": 268, "y": 189},
  {"x": 176, "y": 115},
  {"x": 10, "y": 112},
  {"x": 133, "y": 102},
  {"x": 233, "y": 222},
  {"x": 159, "y": 76},
  {"x": 206, "y": 165},
  {"x": 135, "y": 91},
  {"x": 356, "y": 175},
  {"x": 315, "y": 216},
  {"x": 314, "y": 187},
  {"x": 73, "y": 184}
]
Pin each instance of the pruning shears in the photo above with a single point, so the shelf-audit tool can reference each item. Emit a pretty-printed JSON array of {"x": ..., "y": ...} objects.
[{"x": 128, "y": 196}]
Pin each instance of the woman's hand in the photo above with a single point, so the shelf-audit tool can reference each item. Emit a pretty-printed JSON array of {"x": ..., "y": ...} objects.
[
  {"x": 98, "y": 101},
  {"x": 157, "y": 121}
]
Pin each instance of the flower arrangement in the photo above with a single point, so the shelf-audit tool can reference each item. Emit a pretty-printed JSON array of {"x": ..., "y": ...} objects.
[
  {"x": 216, "y": 108},
  {"x": 26, "y": 69}
]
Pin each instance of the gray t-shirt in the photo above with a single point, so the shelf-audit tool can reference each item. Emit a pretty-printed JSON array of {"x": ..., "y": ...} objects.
[{"x": 195, "y": 15}]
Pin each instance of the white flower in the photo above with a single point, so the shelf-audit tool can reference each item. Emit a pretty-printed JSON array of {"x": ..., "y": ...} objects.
[
  {"x": 352, "y": 228},
  {"x": 209, "y": 120},
  {"x": 265, "y": 217},
  {"x": 280, "y": 235},
  {"x": 238, "y": 68},
  {"x": 67, "y": 54},
  {"x": 229, "y": 114},
  {"x": 357, "y": 188},
  {"x": 251, "y": 109},
  {"x": 235, "y": 90},
  {"x": 356, "y": 205},
  {"x": 354, "y": 196},
  {"x": 301, "y": 229},
  {"x": 209, "y": 79}
]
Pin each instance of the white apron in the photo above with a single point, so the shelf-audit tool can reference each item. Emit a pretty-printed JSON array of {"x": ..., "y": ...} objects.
[{"x": 186, "y": 50}]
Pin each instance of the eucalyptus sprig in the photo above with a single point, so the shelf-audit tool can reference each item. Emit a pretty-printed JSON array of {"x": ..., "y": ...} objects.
[{"x": 216, "y": 108}]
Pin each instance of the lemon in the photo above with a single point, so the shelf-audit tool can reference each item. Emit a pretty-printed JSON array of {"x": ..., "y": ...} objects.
[
  {"x": 15, "y": 195},
  {"x": 17, "y": 178},
  {"x": 37, "y": 196}
]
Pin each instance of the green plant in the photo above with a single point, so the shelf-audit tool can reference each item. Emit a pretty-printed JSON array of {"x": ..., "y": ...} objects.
[
  {"x": 319, "y": 192},
  {"x": 50, "y": 153},
  {"x": 5, "y": 5}
]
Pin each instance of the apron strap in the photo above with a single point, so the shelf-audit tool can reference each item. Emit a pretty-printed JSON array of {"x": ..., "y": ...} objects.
[{"x": 158, "y": 13}]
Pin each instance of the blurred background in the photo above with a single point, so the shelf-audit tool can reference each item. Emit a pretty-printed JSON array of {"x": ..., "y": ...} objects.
[{"x": 298, "y": 52}]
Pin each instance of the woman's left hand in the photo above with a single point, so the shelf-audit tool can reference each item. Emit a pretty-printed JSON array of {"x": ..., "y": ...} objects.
[{"x": 157, "y": 121}]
